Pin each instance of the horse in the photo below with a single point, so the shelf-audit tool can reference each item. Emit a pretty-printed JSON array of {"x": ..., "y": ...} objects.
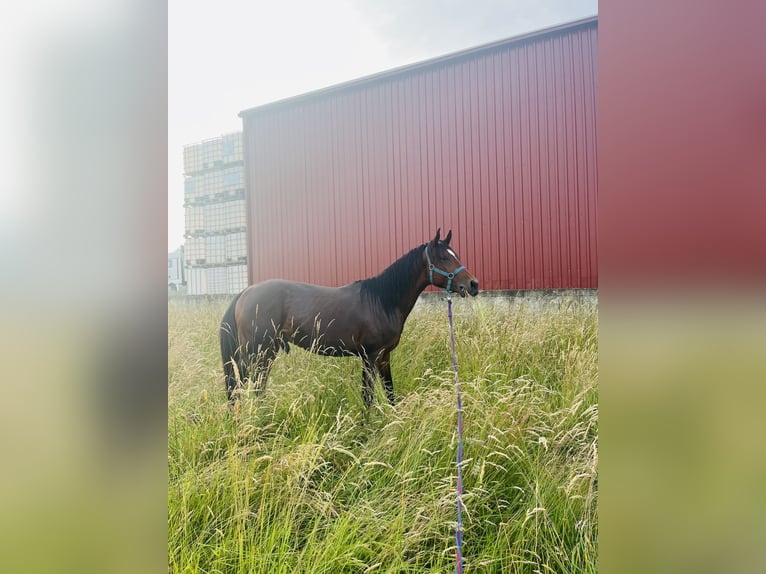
[{"x": 363, "y": 319}]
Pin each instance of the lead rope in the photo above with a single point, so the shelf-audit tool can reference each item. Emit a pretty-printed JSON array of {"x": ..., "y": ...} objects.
[{"x": 459, "y": 527}]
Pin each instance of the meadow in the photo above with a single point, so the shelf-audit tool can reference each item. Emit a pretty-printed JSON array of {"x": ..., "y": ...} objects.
[{"x": 302, "y": 478}]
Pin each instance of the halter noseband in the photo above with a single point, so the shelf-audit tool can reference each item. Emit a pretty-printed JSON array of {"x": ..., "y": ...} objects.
[{"x": 449, "y": 276}]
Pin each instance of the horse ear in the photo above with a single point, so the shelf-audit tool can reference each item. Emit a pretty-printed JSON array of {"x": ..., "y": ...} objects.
[
  {"x": 449, "y": 236},
  {"x": 438, "y": 235}
]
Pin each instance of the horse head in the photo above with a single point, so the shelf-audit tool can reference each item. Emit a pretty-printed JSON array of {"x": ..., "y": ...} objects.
[{"x": 444, "y": 268}]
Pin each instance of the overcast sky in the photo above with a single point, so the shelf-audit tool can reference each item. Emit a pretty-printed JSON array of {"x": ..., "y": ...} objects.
[{"x": 230, "y": 55}]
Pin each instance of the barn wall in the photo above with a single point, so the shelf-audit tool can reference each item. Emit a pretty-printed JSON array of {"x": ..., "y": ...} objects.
[{"x": 496, "y": 143}]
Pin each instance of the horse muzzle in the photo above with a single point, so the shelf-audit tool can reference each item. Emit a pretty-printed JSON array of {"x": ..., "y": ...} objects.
[{"x": 472, "y": 288}]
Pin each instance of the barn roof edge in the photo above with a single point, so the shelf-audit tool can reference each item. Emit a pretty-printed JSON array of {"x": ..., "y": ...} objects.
[{"x": 417, "y": 66}]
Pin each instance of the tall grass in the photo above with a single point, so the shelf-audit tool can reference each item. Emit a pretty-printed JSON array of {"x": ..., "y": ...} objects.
[{"x": 303, "y": 479}]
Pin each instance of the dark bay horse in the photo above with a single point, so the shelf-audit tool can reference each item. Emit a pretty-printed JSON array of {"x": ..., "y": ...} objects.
[{"x": 363, "y": 319}]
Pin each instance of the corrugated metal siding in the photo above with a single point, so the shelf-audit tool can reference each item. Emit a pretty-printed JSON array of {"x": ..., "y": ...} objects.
[{"x": 498, "y": 145}]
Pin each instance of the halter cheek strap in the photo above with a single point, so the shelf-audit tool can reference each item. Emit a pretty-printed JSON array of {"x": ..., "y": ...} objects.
[{"x": 449, "y": 276}]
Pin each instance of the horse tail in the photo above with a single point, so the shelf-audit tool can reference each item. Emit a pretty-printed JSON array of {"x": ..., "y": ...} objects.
[{"x": 230, "y": 351}]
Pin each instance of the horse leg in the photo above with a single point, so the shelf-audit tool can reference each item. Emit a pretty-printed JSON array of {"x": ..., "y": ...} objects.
[
  {"x": 368, "y": 379},
  {"x": 383, "y": 365},
  {"x": 264, "y": 350},
  {"x": 262, "y": 364},
  {"x": 236, "y": 374}
]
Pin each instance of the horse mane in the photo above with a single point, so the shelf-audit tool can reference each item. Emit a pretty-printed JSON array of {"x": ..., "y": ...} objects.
[{"x": 393, "y": 284}]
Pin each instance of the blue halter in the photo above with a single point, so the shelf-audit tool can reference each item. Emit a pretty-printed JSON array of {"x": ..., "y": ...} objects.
[{"x": 449, "y": 276}]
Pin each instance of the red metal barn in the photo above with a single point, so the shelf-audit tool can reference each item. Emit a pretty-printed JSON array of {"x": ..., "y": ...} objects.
[{"x": 497, "y": 143}]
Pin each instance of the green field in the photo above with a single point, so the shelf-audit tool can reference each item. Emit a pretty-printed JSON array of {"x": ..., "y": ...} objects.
[{"x": 302, "y": 479}]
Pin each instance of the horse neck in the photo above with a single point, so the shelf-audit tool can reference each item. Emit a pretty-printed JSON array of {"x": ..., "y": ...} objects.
[
  {"x": 397, "y": 288},
  {"x": 416, "y": 287}
]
